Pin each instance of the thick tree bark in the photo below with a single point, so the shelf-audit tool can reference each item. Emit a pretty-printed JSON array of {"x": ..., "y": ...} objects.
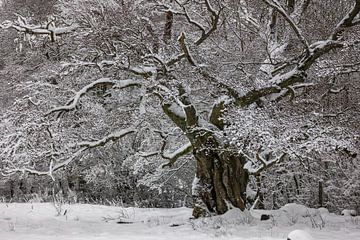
[{"x": 220, "y": 181}]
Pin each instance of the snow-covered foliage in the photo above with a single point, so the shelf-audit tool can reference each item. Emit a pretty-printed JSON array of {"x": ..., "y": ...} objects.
[
  {"x": 316, "y": 152},
  {"x": 146, "y": 91}
]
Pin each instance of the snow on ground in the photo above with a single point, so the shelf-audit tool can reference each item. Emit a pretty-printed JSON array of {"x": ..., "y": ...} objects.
[{"x": 39, "y": 221}]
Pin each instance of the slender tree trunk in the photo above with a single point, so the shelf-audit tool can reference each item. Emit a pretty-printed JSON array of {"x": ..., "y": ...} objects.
[
  {"x": 168, "y": 26},
  {"x": 259, "y": 194},
  {"x": 321, "y": 191}
]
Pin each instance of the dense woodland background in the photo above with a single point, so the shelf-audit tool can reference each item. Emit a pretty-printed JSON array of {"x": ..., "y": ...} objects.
[{"x": 223, "y": 66}]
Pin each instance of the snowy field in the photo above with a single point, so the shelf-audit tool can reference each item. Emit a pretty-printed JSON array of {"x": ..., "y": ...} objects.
[{"x": 32, "y": 221}]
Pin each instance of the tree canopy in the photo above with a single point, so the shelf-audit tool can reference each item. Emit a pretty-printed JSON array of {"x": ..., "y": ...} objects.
[{"x": 260, "y": 94}]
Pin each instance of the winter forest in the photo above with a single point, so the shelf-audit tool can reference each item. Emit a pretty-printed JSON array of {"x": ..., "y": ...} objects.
[{"x": 229, "y": 119}]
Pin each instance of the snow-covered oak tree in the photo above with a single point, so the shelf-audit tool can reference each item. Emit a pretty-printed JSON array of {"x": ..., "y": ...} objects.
[{"x": 225, "y": 82}]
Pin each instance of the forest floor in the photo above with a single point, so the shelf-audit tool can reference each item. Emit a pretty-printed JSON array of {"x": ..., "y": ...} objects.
[{"x": 41, "y": 221}]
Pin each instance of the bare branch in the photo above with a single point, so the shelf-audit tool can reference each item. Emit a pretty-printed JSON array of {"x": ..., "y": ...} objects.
[
  {"x": 159, "y": 60},
  {"x": 168, "y": 26},
  {"x": 171, "y": 108},
  {"x": 172, "y": 157}
]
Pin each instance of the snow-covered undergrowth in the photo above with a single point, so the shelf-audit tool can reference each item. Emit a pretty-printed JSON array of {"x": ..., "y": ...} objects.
[{"x": 82, "y": 221}]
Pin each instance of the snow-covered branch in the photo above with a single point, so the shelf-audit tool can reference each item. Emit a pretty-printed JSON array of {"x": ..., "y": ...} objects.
[
  {"x": 256, "y": 170},
  {"x": 21, "y": 25},
  {"x": 143, "y": 71},
  {"x": 172, "y": 157},
  {"x": 274, "y": 4},
  {"x": 215, "y": 16},
  {"x": 188, "y": 18},
  {"x": 189, "y": 109},
  {"x": 185, "y": 49},
  {"x": 53, "y": 166},
  {"x": 347, "y": 22},
  {"x": 173, "y": 109},
  {"x": 295, "y": 76},
  {"x": 111, "y": 137},
  {"x": 28, "y": 170},
  {"x": 71, "y": 105},
  {"x": 175, "y": 59},
  {"x": 56, "y": 164},
  {"x": 205, "y": 34}
]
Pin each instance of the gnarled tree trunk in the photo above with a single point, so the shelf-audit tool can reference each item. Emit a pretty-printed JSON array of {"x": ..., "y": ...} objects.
[{"x": 220, "y": 181}]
